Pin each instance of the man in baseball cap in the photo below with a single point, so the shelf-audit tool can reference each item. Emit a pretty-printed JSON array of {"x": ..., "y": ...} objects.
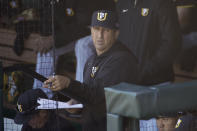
[
  {"x": 26, "y": 105},
  {"x": 104, "y": 30},
  {"x": 110, "y": 64},
  {"x": 34, "y": 119}
]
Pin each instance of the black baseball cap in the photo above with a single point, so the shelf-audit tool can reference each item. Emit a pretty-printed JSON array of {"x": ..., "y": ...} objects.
[
  {"x": 26, "y": 105},
  {"x": 105, "y": 18}
]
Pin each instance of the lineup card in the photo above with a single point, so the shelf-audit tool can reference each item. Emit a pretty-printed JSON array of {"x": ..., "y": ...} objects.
[{"x": 51, "y": 104}]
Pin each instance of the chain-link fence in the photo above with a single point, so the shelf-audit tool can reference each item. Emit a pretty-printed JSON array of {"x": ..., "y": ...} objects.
[
  {"x": 22, "y": 23},
  {"x": 25, "y": 29}
]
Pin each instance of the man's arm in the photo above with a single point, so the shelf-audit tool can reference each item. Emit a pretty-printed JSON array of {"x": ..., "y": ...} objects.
[{"x": 118, "y": 70}]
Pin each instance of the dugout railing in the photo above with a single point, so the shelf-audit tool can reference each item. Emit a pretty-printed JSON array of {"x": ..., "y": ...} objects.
[{"x": 138, "y": 102}]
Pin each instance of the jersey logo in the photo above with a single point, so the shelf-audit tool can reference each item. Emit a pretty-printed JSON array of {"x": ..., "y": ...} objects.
[
  {"x": 94, "y": 70},
  {"x": 101, "y": 16},
  {"x": 124, "y": 10},
  {"x": 144, "y": 11},
  {"x": 178, "y": 123},
  {"x": 69, "y": 12},
  {"x": 19, "y": 108},
  {"x": 14, "y": 4}
]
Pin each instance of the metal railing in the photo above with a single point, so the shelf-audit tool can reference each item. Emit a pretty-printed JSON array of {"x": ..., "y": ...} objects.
[{"x": 139, "y": 102}]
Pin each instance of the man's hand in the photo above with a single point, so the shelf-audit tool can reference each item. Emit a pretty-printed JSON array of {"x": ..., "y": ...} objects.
[{"x": 57, "y": 82}]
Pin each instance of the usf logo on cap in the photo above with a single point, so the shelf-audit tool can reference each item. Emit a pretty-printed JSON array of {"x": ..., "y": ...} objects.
[
  {"x": 69, "y": 12},
  {"x": 101, "y": 16}
]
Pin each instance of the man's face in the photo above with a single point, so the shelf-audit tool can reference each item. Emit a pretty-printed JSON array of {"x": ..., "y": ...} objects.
[
  {"x": 103, "y": 38},
  {"x": 38, "y": 120}
]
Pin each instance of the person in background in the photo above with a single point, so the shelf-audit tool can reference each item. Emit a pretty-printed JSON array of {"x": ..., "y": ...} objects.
[
  {"x": 83, "y": 50},
  {"x": 69, "y": 25},
  {"x": 187, "y": 122},
  {"x": 187, "y": 10},
  {"x": 34, "y": 119},
  {"x": 150, "y": 29}
]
